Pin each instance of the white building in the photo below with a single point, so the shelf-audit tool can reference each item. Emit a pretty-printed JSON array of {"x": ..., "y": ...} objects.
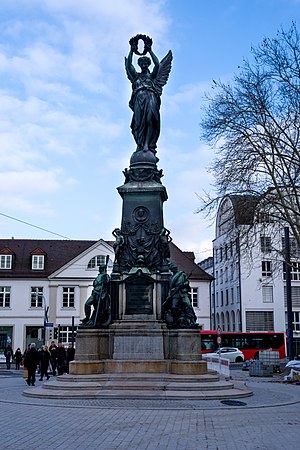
[
  {"x": 58, "y": 275},
  {"x": 249, "y": 290}
]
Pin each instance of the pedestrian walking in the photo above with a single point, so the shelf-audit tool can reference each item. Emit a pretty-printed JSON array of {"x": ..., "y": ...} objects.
[
  {"x": 44, "y": 355},
  {"x": 30, "y": 362},
  {"x": 18, "y": 358},
  {"x": 53, "y": 355},
  {"x": 8, "y": 354},
  {"x": 61, "y": 358}
]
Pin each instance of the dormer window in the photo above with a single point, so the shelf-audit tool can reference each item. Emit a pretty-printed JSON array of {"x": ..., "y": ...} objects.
[
  {"x": 6, "y": 258},
  {"x": 38, "y": 259},
  {"x": 5, "y": 261},
  {"x": 38, "y": 262}
]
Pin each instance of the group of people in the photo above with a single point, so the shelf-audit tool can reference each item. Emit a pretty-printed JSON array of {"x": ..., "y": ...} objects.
[
  {"x": 53, "y": 360},
  {"x": 9, "y": 356}
]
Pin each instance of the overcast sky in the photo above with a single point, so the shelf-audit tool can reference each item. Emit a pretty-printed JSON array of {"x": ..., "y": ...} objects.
[{"x": 64, "y": 115}]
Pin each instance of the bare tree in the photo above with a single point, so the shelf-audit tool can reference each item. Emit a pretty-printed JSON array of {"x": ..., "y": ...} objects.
[{"x": 255, "y": 124}]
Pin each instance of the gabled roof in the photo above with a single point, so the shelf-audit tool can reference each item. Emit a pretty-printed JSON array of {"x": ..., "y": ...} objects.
[
  {"x": 186, "y": 264},
  {"x": 60, "y": 252},
  {"x": 38, "y": 251},
  {"x": 6, "y": 251}
]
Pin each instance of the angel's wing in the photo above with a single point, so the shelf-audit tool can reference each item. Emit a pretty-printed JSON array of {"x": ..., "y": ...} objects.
[{"x": 163, "y": 71}]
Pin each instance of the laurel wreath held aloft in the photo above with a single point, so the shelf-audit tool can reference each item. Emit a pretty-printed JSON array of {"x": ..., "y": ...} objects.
[{"x": 134, "y": 41}]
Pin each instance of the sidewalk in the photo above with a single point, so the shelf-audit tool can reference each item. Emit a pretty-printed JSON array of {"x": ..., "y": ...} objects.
[{"x": 267, "y": 420}]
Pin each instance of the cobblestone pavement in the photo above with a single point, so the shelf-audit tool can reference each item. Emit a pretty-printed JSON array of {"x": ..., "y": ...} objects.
[{"x": 267, "y": 420}]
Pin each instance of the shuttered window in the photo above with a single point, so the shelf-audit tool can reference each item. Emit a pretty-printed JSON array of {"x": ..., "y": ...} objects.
[
  {"x": 295, "y": 291},
  {"x": 267, "y": 294},
  {"x": 259, "y": 321}
]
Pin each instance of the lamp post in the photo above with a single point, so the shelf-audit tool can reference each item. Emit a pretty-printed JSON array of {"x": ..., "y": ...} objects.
[
  {"x": 289, "y": 304},
  {"x": 46, "y": 310}
]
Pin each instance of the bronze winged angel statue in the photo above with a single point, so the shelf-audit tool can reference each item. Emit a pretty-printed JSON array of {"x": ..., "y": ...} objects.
[{"x": 146, "y": 91}]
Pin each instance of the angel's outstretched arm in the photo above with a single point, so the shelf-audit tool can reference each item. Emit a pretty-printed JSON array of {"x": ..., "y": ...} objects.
[{"x": 129, "y": 66}]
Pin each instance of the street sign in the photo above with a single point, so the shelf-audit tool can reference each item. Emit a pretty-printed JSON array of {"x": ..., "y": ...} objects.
[
  {"x": 49, "y": 324},
  {"x": 219, "y": 330},
  {"x": 219, "y": 340}
]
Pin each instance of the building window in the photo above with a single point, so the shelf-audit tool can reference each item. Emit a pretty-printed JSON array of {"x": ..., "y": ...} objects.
[
  {"x": 5, "y": 297},
  {"x": 38, "y": 262},
  {"x": 217, "y": 276},
  {"x": 68, "y": 297},
  {"x": 295, "y": 271},
  {"x": 238, "y": 294},
  {"x": 233, "y": 320},
  {"x": 265, "y": 217},
  {"x": 265, "y": 244},
  {"x": 266, "y": 268},
  {"x": 221, "y": 276},
  {"x": 217, "y": 298},
  {"x": 231, "y": 271},
  {"x": 227, "y": 296},
  {"x": 65, "y": 334},
  {"x": 232, "y": 296},
  {"x": 259, "y": 321},
  {"x": 295, "y": 293},
  {"x": 194, "y": 297},
  {"x": 294, "y": 247},
  {"x": 222, "y": 298},
  {"x": 36, "y": 297},
  {"x": 267, "y": 294},
  {"x": 296, "y": 320},
  {"x": 5, "y": 261},
  {"x": 226, "y": 274},
  {"x": 96, "y": 261}
]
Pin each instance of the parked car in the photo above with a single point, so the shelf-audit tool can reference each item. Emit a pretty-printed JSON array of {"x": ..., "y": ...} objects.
[{"x": 231, "y": 353}]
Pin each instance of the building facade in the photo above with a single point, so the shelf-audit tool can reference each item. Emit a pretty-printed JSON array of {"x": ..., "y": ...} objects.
[
  {"x": 249, "y": 288},
  {"x": 50, "y": 280}
]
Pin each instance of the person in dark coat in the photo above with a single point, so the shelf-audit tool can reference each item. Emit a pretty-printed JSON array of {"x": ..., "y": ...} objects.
[
  {"x": 8, "y": 354},
  {"x": 70, "y": 355},
  {"x": 44, "y": 355},
  {"x": 53, "y": 355},
  {"x": 18, "y": 358},
  {"x": 61, "y": 358},
  {"x": 30, "y": 362}
]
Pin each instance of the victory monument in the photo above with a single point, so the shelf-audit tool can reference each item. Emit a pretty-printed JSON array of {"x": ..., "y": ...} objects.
[
  {"x": 147, "y": 303},
  {"x": 139, "y": 336}
]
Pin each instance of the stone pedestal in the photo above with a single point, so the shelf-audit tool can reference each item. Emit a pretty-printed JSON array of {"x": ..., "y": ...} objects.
[{"x": 133, "y": 346}]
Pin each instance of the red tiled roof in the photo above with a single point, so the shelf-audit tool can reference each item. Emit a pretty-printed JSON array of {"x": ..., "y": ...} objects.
[
  {"x": 58, "y": 253},
  {"x": 186, "y": 264}
]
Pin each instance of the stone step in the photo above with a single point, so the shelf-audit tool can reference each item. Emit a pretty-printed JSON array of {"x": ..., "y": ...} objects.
[
  {"x": 219, "y": 394},
  {"x": 138, "y": 385},
  {"x": 209, "y": 377}
]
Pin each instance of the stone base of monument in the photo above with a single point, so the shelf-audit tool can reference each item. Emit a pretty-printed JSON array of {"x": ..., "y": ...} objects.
[{"x": 136, "y": 359}]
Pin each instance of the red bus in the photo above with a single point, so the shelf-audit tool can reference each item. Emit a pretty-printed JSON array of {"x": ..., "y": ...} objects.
[{"x": 249, "y": 343}]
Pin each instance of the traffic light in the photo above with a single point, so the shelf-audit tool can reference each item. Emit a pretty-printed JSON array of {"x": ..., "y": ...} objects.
[
  {"x": 49, "y": 333},
  {"x": 55, "y": 333}
]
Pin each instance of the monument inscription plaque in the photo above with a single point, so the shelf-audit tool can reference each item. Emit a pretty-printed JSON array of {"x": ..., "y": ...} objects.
[{"x": 139, "y": 296}]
